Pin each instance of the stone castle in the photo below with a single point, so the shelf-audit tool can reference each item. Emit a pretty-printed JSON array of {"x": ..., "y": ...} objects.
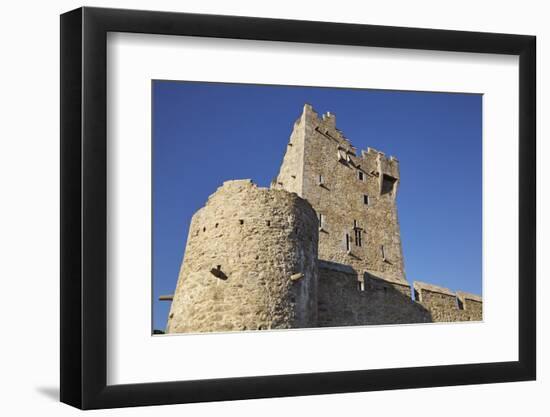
[{"x": 320, "y": 248}]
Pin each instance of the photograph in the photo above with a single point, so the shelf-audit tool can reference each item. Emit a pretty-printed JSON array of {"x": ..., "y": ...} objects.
[
  {"x": 292, "y": 207},
  {"x": 271, "y": 209}
]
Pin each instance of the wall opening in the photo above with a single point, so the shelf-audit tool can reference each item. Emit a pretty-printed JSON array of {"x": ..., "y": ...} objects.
[
  {"x": 360, "y": 175},
  {"x": 358, "y": 237},
  {"x": 388, "y": 183},
  {"x": 365, "y": 199}
]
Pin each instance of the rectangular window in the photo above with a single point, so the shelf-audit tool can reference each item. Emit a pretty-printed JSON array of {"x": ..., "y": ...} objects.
[
  {"x": 383, "y": 252},
  {"x": 366, "y": 199},
  {"x": 348, "y": 246},
  {"x": 321, "y": 221},
  {"x": 361, "y": 175},
  {"x": 358, "y": 237},
  {"x": 355, "y": 224},
  {"x": 321, "y": 180}
]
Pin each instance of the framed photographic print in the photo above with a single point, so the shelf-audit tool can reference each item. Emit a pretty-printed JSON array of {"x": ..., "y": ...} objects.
[{"x": 258, "y": 207}]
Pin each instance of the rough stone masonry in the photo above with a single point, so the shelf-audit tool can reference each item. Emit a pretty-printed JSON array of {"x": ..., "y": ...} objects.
[{"x": 321, "y": 247}]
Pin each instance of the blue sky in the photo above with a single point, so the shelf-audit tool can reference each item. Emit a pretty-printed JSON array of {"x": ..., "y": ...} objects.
[{"x": 206, "y": 133}]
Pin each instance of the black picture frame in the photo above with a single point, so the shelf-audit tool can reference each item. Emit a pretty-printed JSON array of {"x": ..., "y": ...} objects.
[{"x": 84, "y": 207}]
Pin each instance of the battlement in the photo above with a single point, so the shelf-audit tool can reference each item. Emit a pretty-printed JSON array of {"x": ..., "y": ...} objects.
[
  {"x": 446, "y": 305},
  {"x": 348, "y": 295},
  {"x": 326, "y": 125}
]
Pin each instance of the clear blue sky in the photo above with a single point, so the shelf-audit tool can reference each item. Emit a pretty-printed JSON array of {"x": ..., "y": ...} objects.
[{"x": 206, "y": 133}]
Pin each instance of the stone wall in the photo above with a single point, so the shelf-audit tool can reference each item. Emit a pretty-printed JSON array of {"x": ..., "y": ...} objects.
[
  {"x": 291, "y": 172},
  {"x": 347, "y": 297},
  {"x": 250, "y": 263},
  {"x": 446, "y": 306},
  {"x": 353, "y": 196}
]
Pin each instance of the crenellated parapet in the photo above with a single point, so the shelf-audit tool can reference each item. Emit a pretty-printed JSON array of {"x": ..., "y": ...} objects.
[{"x": 445, "y": 305}]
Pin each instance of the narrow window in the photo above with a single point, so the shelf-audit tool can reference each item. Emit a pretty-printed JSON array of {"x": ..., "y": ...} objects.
[
  {"x": 361, "y": 285},
  {"x": 321, "y": 180},
  {"x": 366, "y": 199},
  {"x": 358, "y": 237},
  {"x": 360, "y": 175},
  {"x": 357, "y": 232},
  {"x": 321, "y": 221},
  {"x": 383, "y": 252},
  {"x": 348, "y": 246}
]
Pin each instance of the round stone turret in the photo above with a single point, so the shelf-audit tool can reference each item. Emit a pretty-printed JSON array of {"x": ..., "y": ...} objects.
[{"x": 250, "y": 263}]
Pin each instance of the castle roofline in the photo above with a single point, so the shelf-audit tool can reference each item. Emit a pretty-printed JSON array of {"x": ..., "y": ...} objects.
[{"x": 328, "y": 120}]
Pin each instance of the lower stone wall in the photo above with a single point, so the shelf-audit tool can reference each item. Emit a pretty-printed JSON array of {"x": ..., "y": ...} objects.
[
  {"x": 446, "y": 306},
  {"x": 348, "y": 298}
]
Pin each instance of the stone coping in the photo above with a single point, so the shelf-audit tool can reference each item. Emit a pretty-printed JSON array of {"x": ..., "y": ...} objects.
[
  {"x": 391, "y": 280},
  {"x": 462, "y": 296},
  {"x": 338, "y": 267},
  {"x": 419, "y": 286}
]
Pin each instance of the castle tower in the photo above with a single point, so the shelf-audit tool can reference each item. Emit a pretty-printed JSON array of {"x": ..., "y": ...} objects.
[
  {"x": 250, "y": 263},
  {"x": 353, "y": 195}
]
